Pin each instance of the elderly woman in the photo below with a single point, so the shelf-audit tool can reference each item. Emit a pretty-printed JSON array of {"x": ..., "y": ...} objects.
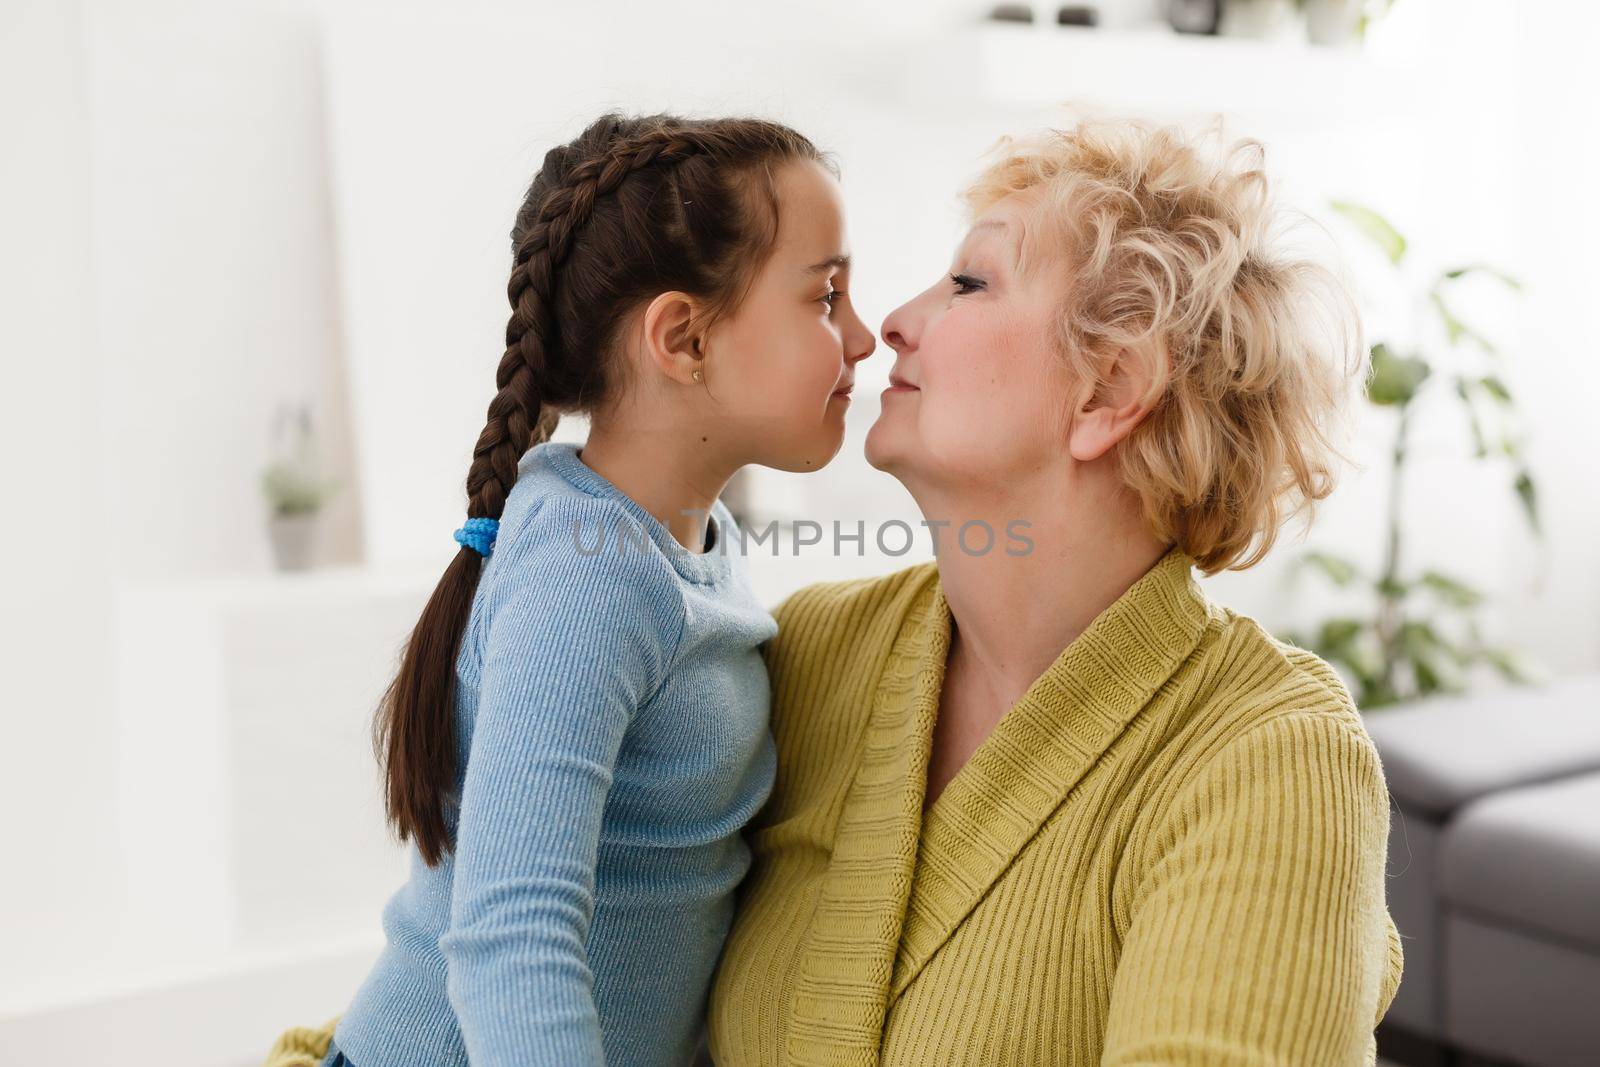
[{"x": 1045, "y": 803}]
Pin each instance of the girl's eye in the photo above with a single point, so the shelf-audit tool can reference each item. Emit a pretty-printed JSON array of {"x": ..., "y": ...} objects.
[
  {"x": 966, "y": 284},
  {"x": 832, "y": 297}
]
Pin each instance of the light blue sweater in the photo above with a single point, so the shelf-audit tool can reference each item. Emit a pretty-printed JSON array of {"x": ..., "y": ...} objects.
[{"x": 611, "y": 717}]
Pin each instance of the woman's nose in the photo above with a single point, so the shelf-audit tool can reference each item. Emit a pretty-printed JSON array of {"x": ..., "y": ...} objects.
[{"x": 896, "y": 327}]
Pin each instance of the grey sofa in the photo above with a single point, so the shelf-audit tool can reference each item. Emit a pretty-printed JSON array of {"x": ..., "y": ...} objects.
[{"x": 1494, "y": 876}]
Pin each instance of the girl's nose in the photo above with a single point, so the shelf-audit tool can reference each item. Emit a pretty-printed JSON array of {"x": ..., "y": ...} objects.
[{"x": 861, "y": 343}]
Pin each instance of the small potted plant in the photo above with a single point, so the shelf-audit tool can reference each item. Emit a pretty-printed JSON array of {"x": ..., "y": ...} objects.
[
  {"x": 1341, "y": 22},
  {"x": 1260, "y": 19},
  {"x": 295, "y": 489}
]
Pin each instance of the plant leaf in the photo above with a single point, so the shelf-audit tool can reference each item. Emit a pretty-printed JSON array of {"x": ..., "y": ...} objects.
[
  {"x": 1339, "y": 633},
  {"x": 1480, "y": 447},
  {"x": 1394, "y": 380},
  {"x": 1428, "y": 680},
  {"x": 1433, "y": 660},
  {"x": 1455, "y": 329},
  {"x": 1513, "y": 665},
  {"x": 1392, "y": 588},
  {"x": 1450, "y": 590},
  {"x": 1339, "y": 570},
  {"x": 1496, "y": 388},
  {"x": 1528, "y": 494},
  {"x": 1484, "y": 268},
  {"x": 1374, "y": 227}
]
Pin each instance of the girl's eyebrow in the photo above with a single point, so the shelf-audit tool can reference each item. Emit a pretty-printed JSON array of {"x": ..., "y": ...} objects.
[{"x": 840, "y": 261}]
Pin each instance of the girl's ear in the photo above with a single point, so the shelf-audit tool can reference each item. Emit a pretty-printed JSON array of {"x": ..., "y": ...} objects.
[{"x": 670, "y": 342}]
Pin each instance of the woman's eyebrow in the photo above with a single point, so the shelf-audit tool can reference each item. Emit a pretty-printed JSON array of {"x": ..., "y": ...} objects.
[
  {"x": 1004, "y": 226},
  {"x": 840, "y": 261}
]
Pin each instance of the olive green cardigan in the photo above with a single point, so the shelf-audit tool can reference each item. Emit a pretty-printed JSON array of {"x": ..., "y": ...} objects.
[{"x": 1170, "y": 851}]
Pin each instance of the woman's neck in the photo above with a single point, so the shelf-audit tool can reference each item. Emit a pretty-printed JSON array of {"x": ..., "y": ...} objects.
[{"x": 1016, "y": 612}]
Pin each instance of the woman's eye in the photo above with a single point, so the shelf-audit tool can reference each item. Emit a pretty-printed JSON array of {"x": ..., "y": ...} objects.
[
  {"x": 831, "y": 297},
  {"x": 966, "y": 284}
]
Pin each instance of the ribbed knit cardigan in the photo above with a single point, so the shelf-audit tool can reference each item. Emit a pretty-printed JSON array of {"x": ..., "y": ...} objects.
[{"x": 1170, "y": 850}]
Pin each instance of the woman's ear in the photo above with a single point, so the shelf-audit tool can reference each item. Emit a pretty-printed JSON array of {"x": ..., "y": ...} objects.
[
  {"x": 671, "y": 342},
  {"x": 1106, "y": 415}
]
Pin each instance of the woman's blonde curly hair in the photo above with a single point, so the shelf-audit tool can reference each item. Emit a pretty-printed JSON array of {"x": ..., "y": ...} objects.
[{"x": 1168, "y": 255}]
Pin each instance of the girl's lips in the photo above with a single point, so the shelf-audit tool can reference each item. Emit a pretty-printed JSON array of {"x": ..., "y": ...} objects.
[{"x": 900, "y": 387}]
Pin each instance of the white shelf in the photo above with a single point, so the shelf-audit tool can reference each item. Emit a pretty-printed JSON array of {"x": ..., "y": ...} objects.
[
  {"x": 339, "y": 583},
  {"x": 247, "y": 793},
  {"x": 1166, "y": 74},
  {"x": 223, "y": 1011}
]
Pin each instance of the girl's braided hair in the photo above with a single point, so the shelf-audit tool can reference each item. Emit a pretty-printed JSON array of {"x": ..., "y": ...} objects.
[{"x": 632, "y": 207}]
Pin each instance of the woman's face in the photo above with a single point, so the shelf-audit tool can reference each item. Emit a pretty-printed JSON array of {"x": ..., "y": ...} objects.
[{"x": 985, "y": 397}]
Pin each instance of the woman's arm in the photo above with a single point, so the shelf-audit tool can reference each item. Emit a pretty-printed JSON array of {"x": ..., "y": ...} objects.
[
  {"x": 568, "y": 660},
  {"x": 1259, "y": 933},
  {"x": 302, "y": 1046}
]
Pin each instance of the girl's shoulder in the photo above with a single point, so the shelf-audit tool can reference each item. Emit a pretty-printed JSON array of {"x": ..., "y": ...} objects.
[
  {"x": 577, "y": 537},
  {"x": 548, "y": 562}
]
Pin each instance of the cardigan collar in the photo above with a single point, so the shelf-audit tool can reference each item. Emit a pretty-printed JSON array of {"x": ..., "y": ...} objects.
[{"x": 900, "y": 882}]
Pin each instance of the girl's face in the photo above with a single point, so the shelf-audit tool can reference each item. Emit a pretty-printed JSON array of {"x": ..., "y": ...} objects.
[
  {"x": 778, "y": 367},
  {"x": 984, "y": 396}
]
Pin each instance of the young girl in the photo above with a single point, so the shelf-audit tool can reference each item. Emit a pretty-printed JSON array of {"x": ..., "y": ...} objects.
[{"x": 578, "y": 730}]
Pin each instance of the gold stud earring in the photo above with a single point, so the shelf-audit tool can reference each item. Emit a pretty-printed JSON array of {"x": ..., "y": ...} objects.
[{"x": 697, "y": 376}]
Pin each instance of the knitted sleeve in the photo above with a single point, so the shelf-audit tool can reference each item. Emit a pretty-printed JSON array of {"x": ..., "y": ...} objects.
[
  {"x": 573, "y": 649},
  {"x": 302, "y": 1046},
  {"x": 1259, "y": 932}
]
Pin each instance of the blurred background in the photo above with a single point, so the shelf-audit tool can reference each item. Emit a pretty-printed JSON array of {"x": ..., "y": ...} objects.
[{"x": 254, "y": 266}]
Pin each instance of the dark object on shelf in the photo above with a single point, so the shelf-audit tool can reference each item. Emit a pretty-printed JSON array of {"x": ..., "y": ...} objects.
[
  {"x": 1011, "y": 13},
  {"x": 1194, "y": 16},
  {"x": 1076, "y": 15}
]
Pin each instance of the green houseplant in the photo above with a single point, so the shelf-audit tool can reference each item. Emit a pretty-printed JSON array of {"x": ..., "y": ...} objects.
[
  {"x": 1421, "y": 634},
  {"x": 294, "y": 488}
]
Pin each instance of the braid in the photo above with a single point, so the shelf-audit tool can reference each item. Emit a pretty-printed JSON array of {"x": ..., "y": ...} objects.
[{"x": 516, "y": 419}]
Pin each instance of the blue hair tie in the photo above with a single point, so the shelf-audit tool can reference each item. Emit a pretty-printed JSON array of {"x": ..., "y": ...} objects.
[{"x": 478, "y": 535}]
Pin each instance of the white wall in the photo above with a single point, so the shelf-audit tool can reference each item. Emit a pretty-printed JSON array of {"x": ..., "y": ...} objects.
[
  {"x": 55, "y": 630},
  {"x": 168, "y": 279},
  {"x": 215, "y": 292},
  {"x": 197, "y": 225},
  {"x": 1553, "y": 146}
]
